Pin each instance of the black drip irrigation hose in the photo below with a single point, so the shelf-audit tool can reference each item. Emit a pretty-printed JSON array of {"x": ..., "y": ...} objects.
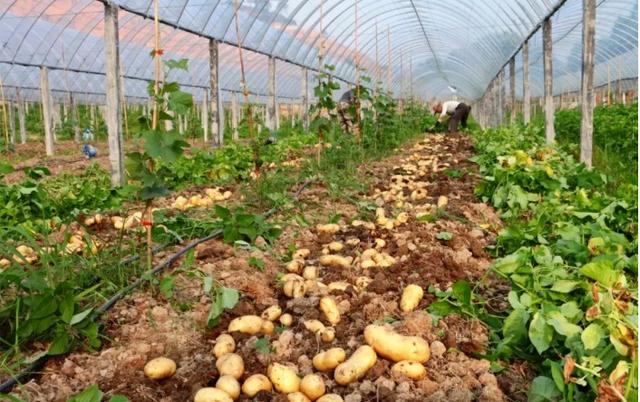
[{"x": 33, "y": 368}]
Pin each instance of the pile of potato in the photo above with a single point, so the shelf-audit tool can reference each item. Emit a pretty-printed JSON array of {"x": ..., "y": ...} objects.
[{"x": 211, "y": 196}]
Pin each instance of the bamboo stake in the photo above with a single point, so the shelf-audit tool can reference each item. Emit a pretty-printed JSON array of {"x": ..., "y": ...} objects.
[{"x": 4, "y": 115}]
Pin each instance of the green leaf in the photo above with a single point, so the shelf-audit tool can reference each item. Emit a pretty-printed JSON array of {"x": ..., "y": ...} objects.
[
  {"x": 230, "y": 297},
  {"x": 515, "y": 325},
  {"x": 262, "y": 345},
  {"x": 166, "y": 286},
  {"x": 66, "y": 308},
  {"x": 602, "y": 271},
  {"x": 80, "y": 316},
  {"x": 180, "y": 102},
  {"x": 441, "y": 308},
  {"x": 5, "y": 168},
  {"x": 165, "y": 146},
  {"x": 257, "y": 263},
  {"x": 182, "y": 64},
  {"x": 462, "y": 291},
  {"x": 61, "y": 344},
  {"x": 564, "y": 286},
  {"x": 91, "y": 394},
  {"x": 540, "y": 333},
  {"x": 119, "y": 398},
  {"x": 562, "y": 325},
  {"x": 571, "y": 311},
  {"x": 556, "y": 374},
  {"x": 543, "y": 389},
  {"x": 444, "y": 236},
  {"x": 592, "y": 335}
]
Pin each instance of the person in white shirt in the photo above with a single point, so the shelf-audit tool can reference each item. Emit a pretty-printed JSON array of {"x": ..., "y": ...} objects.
[{"x": 458, "y": 112}]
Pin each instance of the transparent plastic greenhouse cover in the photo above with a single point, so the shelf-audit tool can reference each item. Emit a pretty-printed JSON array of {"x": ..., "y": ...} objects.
[{"x": 425, "y": 48}]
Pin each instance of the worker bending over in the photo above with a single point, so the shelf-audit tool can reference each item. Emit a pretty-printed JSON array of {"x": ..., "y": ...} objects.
[{"x": 458, "y": 112}]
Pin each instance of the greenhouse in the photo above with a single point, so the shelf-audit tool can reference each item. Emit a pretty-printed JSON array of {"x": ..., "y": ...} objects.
[{"x": 318, "y": 200}]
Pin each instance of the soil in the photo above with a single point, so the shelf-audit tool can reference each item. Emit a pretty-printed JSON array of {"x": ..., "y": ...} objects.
[{"x": 146, "y": 325}]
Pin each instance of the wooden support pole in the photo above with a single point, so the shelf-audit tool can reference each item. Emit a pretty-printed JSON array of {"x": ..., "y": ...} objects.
[
  {"x": 205, "y": 115},
  {"x": 75, "y": 118},
  {"x": 586, "y": 90},
  {"x": 608, "y": 84},
  {"x": 234, "y": 117},
  {"x": 22, "y": 121},
  {"x": 501, "y": 97},
  {"x": 549, "y": 110},
  {"x": 512, "y": 90},
  {"x": 271, "y": 106},
  {"x": 45, "y": 93},
  {"x": 526, "y": 93},
  {"x": 215, "y": 105},
  {"x": 113, "y": 111},
  {"x": 305, "y": 98},
  {"x": 12, "y": 123}
]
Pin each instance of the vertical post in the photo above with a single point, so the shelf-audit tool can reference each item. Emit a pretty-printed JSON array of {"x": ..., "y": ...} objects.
[
  {"x": 526, "y": 93},
  {"x": 21, "y": 117},
  {"x": 608, "y": 84},
  {"x": 271, "y": 106},
  {"x": 501, "y": 97},
  {"x": 205, "y": 115},
  {"x": 46, "y": 110},
  {"x": 75, "y": 118},
  {"x": 12, "y": 123},
  {"x": 512, "y": 89},
  {"x": 234, "y": 116},
  {"x": 113, "y": 110},
  {"x": 549, "y": 111},
  {"x": 305, "y": 98},
  {"x": 215, "y": 105},
  {"x": 586, "y": 90}
]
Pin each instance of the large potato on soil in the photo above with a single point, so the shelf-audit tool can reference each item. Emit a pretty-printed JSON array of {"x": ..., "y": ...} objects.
[
  {"x": 255, "y": 384},
  {"x": 330, "y": 309},
  {"x": 272, "y": 313},
  {"x": 230, "y": 364},
  {"x": 411, "y": 296},
  {"x": 247, "y": 324},
  {"x": 394, "y": 346},
  {"x": 356, "y": 366},
  {"x": 224, "y": 344},
  {"x": 159, "y": 368},
  {"x": 330, "y": 398},
  {"x": 409, "y": 369},
  {"x": 312, "y": 385},
  {"x": 229, "y": 385},
  {"x": 297, "y": 397},
  {"x": 329, "y": 359},
  {"x": 212, "y": 395},
  {"x": 284, "y": 378}
]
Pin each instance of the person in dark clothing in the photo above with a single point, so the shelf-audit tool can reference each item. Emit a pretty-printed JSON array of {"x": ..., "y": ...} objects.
[
  {"x": 346, "y": 101},
  {"x": 458, "y": 113}
]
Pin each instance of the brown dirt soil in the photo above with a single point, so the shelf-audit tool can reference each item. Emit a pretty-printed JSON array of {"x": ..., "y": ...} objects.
[{"x": 146, "y": 325}]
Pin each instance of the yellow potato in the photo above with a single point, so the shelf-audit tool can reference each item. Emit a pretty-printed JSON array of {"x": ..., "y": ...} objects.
[
  {"x": 314, "y": 326},
  {"x": 411, "y": 296},
  {"x": 160, "y": 368},
  {"x": 394, "y": 346},
  {"x": 267, "y": 327},
  {"x": 330, "y": 310},
  {"x": 362, "y": 282},
  {"x": 284, "y": 378},
  {"x": 230, "y": 364},
  {"x": 301, "y": 254},
  {"x": 327, "y": 335},
  {"x": 330, "y": 398},
  {"x": 335, "y": 261},
  {"x": 310, "y": 272},
  {"x": 442, "y": 201},
  {"x": 340, "y": 285},
  {"x": 297, "y": 397},
  {"x": 295, "y": 266},
  {"x": 294, "y": 288},
  {"x": 286, "y": 320},
  {"x": 329, "y": 359},
  {"x": 255, "y": 384},
  {"x": 335, "y": 246},
  {"x": 224, "y": 344},
  {"x": 229, "y": 385},
  {"x": 272, "y": 313},
  {"x": 290, "y": 277},
  {"x": 212, "y": 395},
  {"x": 356, "y": 366},
  {"x": 329, "y": 228},
  {"x": 312, "y": 385},
  {"x": 409, "y": 369},
  {"x": 247, "y": 324}
]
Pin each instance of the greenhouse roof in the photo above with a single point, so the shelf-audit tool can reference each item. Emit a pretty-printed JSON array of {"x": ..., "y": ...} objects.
[{"x": 430, "y": 49}]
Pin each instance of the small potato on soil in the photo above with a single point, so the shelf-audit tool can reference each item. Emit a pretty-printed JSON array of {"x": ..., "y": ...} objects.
[
  {"x": 356, "y": 366},
  {"x": 411, "y": 296},
  {"x": 314, "y": 326},
  {"x": 212, "y": 395},
  {"x": 286, "y": 319},
  {"x": 284, "y": 378},
  {"x": 329, "y": 359},
  {"x": 330, "y": 398},
  {"x": 297, "y": 397},
  {"x": 328, "y": 229},
  {"x": 335, "y": 261},
  {"x": 224, "y": 344},
  {"x": 409, "y": 369},
  {"x": 312, "y": 385},
  {"x": 247, "y": 324},
  {"x": 294, "y": 288},
  {"x": 330, "y": 310},
  {"x": 310, "y": 272},
  {"x": 272, "y": 313},
  {"x": 159, "y": 368},
  {"x": 301, "y": 254},
  {"x": 229, "y": 385},
  {"x": 255, "y": 384},
  {"x": 231, "y": 364},
  {"x": 327, "y": 335}
]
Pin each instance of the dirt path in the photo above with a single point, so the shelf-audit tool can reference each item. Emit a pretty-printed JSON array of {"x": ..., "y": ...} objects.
[{"x": 146, "y": 325}]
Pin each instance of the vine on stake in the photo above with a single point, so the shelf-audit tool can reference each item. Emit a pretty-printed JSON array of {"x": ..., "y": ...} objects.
[{"x": 325, "y": 108}]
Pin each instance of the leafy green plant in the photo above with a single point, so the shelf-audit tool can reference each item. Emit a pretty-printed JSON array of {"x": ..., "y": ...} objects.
[
  {"x": 93, "y": 394},
  {"x": 222, "y": 298},
  {"x": 239, "y": 225},
  {"x": 325, "y": 108}
]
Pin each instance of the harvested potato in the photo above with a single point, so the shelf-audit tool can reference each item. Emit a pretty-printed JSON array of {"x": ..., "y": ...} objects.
[
  {"x": 380, "y": 243},
  {"x": 394, "y": 346},
  {"x": 327, "y": 335},
  {"x": 330, "y": 398},
  {"x": 340, "y": 285},
  {"x": 362, "y": 282},
  {"x": 267, "y": 327},
  {"x": 272, "y": 313},
  {"x": 295, "y": 266},
  {"x": 230, "y": 364},
  {"x": 209, "y": 394},
  {"x": 411, "y": 296},
  {"x": 229, "y": 385},
  {"x": 297, "y": 397},
  {"x": 354, "y": 241},
  {"x": 255, "y": 384},
  {"x": 409, "y": 369},
  {"x": 224, "y": 344},
  {"x": 330, "y": 310},
  {"x": 442, "y": 201},
  {"x": 247, "y": 324},
  {"x": 301, "y": 254},
  {"x": 356, "y": 366},
  {"x": 284, "y": 378},
  {"x": 312, "y": 385},
  {"x": 329, "y": 359},
  {"x": 294, "y": 288},
  {"x": 314, "y": 326},
  {"x": 329, "y": 228},
  {"x": 159, "y": 368},
  {"x": 366, "y": 264},
  {"x": 286, "y": 320},
  {"x": 335, "y": 261},
  {"x": 291, "y": 277},
  {"x": 310, "y": 272},
  {"x": 335, "y": 246}
]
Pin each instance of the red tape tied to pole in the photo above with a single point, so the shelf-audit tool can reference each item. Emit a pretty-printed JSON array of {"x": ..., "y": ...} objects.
[{"x": 146, "y": 223}]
